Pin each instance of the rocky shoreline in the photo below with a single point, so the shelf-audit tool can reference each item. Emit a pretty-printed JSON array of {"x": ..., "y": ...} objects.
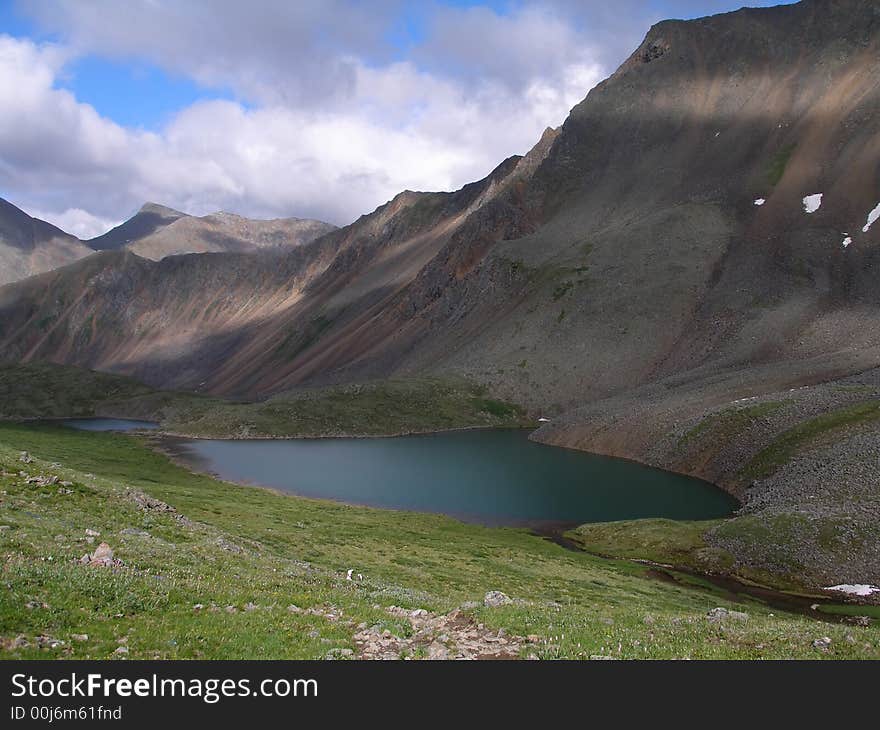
[{"x": 804, "y": 461}]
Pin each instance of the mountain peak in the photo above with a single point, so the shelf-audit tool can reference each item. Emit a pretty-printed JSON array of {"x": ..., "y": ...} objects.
[
  {"x": 150, "y": 218},
  {"x": 162, "y": 210}
]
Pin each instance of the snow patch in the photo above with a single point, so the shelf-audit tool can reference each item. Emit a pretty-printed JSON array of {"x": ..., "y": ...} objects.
[
  {"x": 873, "y": 216},
  {"x": 543, "y": 420},
  {"x": 760, "y": 201},
  {"x": 858, "y": 589},
  {"x": 847, "y": 241},
  {"x": 812, "y": 203}
]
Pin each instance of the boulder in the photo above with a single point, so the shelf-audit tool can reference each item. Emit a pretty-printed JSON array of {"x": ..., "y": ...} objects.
[
  {"x": 494, "y": 599},
  {"x": 719, "y": 615},
  {"x": 339, "y": 653},
  {"x": 436, "y": 651},
  {"x": 103, "y": 555}
]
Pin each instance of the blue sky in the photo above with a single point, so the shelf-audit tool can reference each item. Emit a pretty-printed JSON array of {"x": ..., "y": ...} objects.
[
  {"x": 132, "y": 92},
  {"x": 321, "y": 108}
]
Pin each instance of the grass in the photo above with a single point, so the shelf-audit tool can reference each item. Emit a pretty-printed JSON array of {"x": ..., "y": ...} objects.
[
  {"x": 727, "y": 424},
  {"x": 377, "y": 408},
  {"x": 232, "y": 546},
  {"x": 673, "y": 542},
  {"x": 788, "y": 444},
  {"x": 849, "y": 610},
  {"x": 53, "y": 391},
  {"x": 684, "y": 545},
  {"x": 786, "y": 544}
]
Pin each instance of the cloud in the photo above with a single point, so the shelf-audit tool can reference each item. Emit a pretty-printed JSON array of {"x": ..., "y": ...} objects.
[
  {"x": 48, "y": 141},
  {"x": 298, "y": 53},
  {"x": 400, "y": 128},
  {"x": 76, "y": 221},
  {"x": 327, "y": 118}
]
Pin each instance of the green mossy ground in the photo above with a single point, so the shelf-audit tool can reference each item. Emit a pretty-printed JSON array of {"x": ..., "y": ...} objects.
[
  {"x": 53, "y": 391},
  {"x": 797, "y": 439},
  {"x": 727, "y": 424},
  {"x": 370, "y": 409},
  {"x": 674, "y": 542},
  {"x": 778, "y": 164},
  {"x": 380, "y": 408}
]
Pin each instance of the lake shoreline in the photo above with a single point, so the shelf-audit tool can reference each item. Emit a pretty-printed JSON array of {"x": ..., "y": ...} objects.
[
  {"x": 299, "y": 550},
  {"x": 162, "y": 442},
  {"x": 494, "y": 477},
  {"x": 803, "y": 603},
  {"x": 533, "y": 429},
  {"x": 164, "y": 445},
  {"x": 343, "y": 435},
  {"x": 170, "y": 435}
]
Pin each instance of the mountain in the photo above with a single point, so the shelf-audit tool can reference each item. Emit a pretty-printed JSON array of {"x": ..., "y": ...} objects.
[
  {"x": 30, "y": 246},
  {"x": 150, "y": 219},
  {"x": 685, "y": 274},
  {"x": 196, "y": 321},
  {"x": 155, "y": 232},
  {"x": 625, "y": 249}
]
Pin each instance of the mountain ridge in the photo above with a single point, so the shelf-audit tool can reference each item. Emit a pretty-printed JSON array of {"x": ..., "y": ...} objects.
[
  {"x": 30, "y": 246},
  {"x": 157, "y": 231}
]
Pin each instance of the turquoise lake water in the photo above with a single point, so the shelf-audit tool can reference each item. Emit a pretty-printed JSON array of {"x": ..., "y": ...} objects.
[{"x": 488, "y": 477}]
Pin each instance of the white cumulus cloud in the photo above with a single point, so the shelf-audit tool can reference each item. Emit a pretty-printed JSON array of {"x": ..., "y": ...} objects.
[{"x": 326, "y": 117}]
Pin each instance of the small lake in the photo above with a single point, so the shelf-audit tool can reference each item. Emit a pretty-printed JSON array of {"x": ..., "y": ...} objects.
[
  {"x": 489, "y": 477},
  {"x": 109, "y": 424}
]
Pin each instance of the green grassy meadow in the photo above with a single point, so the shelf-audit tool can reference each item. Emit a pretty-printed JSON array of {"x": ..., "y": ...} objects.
[{"x": 214, "y": 578}]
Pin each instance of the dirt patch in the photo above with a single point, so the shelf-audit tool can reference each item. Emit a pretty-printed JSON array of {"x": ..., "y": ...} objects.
[{"x": 456, "y": 635}]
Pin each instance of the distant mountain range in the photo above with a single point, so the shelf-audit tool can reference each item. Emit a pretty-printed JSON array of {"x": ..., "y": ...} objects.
[{"x": 30, "y": 246}]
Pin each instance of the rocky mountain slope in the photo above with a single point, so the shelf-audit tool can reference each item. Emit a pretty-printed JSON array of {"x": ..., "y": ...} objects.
[
  {"x": 30, "y": 246},
  {"x": 246, "y": 323},
  {"x": 702, "y": 229},
  {"x": 155, "y": 232}
]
